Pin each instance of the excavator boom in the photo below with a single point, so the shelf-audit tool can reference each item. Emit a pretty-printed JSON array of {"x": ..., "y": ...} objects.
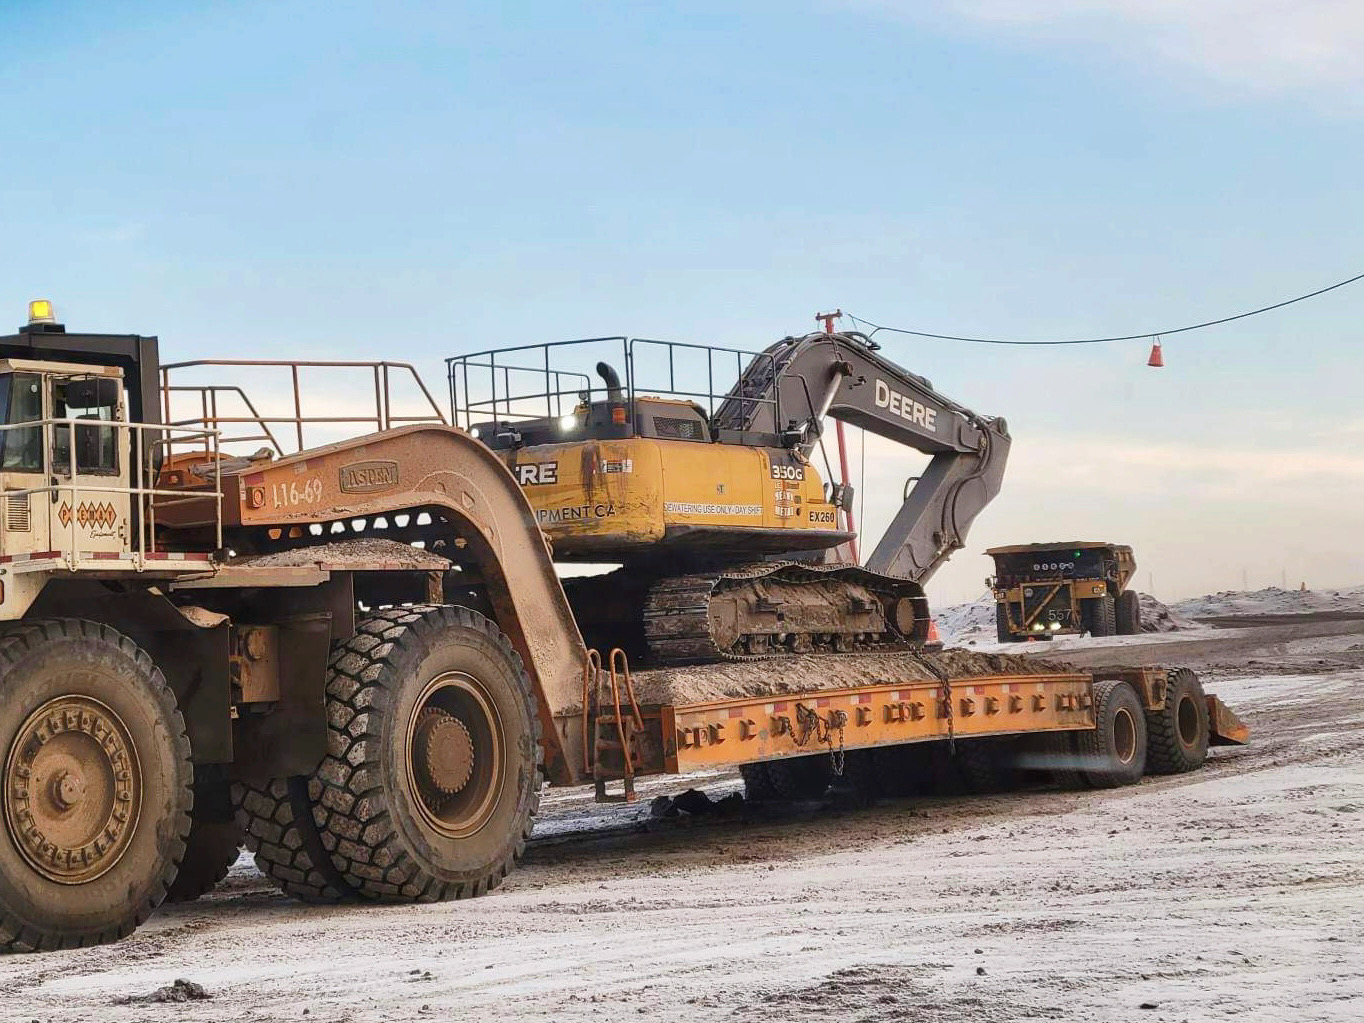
[{"x": 792, "y": 387}]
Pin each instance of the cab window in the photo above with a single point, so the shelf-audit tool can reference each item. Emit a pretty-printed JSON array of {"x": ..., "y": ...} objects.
[
  {"x": 93, "y": 401},
  {"x": 21, "y": 401}
]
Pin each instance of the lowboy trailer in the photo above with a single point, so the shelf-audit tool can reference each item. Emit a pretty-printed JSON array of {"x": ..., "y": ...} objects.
[{"x": 358, "y": 659}]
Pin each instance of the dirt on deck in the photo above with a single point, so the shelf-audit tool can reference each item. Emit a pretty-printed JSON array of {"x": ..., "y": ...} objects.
[
  {"x": 366, "y": 551},
  {"x": 727, "y": 680}
]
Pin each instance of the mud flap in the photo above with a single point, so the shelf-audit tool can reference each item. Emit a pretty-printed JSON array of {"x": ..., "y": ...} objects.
[
  {"x": 292, "y": 738},
  {"x": 1224, "y": 727}
]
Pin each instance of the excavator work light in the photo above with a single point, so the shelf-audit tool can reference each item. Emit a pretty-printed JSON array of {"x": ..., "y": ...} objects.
[{"x": 40, "y": 311}]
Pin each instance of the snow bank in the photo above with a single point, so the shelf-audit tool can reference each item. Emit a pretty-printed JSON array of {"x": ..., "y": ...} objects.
[
  {"x": 1156, "y": 617},
  {"x": 1271, "y": 600}
]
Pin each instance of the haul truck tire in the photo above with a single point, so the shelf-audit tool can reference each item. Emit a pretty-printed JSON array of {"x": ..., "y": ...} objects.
[
  {"x": 1002, "y": 629},
  {"x": 1113, "y": 752},
  {"x": 987, "y": 765},
  {"x": 1063, "y": 760},
  {"x": 1128, "y": 611},
  {"x": 433, "y": 770},
  {"x": 758, "y": 787},
  {"x": 97, "y": 785},
  {"x": 1101, "y": 616},
  {"x": 215, "y": 838},
  {"x": 1178, "y": 733},
  {"x": 276, "y": 819},
  {"x": 800, "y": 778}
]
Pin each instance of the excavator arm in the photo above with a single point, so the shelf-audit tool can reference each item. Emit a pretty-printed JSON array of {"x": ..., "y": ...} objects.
[{"x": 790, "y": 389}]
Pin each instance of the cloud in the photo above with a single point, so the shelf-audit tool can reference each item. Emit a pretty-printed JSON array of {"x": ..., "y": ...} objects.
[{"x": 1260, "y": 45}]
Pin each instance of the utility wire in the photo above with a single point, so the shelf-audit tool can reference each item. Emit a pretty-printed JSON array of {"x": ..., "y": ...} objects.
[{"x": 1105, "y": 340}]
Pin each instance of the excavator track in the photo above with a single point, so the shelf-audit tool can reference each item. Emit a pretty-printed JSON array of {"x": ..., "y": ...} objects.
[{"x": 775, "y": 609}]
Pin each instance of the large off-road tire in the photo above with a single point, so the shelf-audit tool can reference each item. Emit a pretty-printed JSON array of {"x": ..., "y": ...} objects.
[
  {"x": 1178, "y": 733},
  {"x": 758, "y": 786},
  {"x": 1128, "y": 610},
  {"x": 1100, "y": 616},
  {"x": 796, "y": 779},
  {"x": 276, "y": 819},
  {"x": 987, "y": 765},
  {"x": 97, "y": 785},
  {"x": 1113, "y": 752},
  {"x": 1054, "y": 754},
  {"x": 215, "y": 837},
  {"x": 1002, "y": 629},
  {"x": 433, "y": 767}
]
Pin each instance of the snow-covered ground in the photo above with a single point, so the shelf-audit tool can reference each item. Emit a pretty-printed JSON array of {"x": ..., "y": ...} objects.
[
  {"x": 1235, "y": 892},
  {"x": 1271, "y": 600},
  {"x": 973, "y": 623}
]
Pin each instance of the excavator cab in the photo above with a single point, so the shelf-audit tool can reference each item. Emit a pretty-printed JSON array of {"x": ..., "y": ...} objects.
[{"x": 606, "y": 413}]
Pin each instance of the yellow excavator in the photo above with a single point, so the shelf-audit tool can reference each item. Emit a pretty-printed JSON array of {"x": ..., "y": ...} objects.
[{"x": 729, "y": 539}]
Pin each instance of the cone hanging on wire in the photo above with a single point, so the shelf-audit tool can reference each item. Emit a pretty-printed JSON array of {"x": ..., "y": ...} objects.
[{"x": 1157, "y": 358}]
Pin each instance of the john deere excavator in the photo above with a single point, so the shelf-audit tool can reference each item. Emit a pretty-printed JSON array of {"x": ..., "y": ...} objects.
[{"x": 730, "y": 540}]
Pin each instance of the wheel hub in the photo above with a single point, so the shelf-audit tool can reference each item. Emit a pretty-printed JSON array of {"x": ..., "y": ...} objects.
[
  {"x": 444, "y": 751},
  {"x": 72, "y": 789},
  {"x": 455, "y": 751}
]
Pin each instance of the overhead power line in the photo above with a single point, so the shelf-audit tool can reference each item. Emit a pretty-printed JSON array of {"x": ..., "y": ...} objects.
[{"x": 1105, "y": 340}]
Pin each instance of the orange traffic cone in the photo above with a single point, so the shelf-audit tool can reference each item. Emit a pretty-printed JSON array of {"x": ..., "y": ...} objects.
[
  {"x": 1157, "y": 358},
  {"x": 933, "y": 632}
]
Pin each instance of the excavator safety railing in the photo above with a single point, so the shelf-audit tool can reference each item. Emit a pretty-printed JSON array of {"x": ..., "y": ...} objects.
[
  {"x": 544, "y": 381},
  {"x": 211, "y": 397},
  {"x": 146, "y": 443}
]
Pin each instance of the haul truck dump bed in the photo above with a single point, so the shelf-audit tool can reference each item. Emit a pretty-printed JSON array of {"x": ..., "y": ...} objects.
[{"x": 357, "y": 659}]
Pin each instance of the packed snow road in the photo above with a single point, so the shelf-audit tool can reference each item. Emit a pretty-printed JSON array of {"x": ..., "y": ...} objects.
[{"x": 1236, "y": 892}]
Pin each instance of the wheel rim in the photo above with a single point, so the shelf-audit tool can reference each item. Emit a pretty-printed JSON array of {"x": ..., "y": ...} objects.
[
  {"x": 73, "y": 789},
  {"x": 1186, "y": 718},
  {"x": 1124, "y": 736},
  {"x": 454, "y": 749}
]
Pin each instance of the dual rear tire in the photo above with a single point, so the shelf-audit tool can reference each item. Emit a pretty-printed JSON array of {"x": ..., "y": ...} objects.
[{"x": 432, "y": 774}]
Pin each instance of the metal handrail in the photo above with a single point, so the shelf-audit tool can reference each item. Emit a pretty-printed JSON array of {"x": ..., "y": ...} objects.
[
  {"x": 382, "y": 419},
  {"x": 499, "y": 365},
  {"x": 470, "y": 360},
  {"x": 140, "y": 464}
]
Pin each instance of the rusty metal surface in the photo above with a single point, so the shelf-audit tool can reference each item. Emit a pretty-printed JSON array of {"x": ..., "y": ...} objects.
[
  {"x": 254, "y": 663},
  {"x": 1225, "y": 727},
  {"x": 456, "y": 496},
  {"x": 1151, "y": 683}
]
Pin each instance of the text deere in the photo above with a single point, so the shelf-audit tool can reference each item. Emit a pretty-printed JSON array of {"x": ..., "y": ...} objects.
[{"x": 905, "y": 407}]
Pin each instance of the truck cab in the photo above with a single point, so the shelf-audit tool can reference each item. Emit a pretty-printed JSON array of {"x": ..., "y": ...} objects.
[{"x": 64, "y": 463}]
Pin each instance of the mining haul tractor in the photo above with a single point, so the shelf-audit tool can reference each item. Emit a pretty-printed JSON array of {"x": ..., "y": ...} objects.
[
  {"x": 731, "y": 543},
  {"x": 356, "y": 658},
  {"x": 1056, "y": 589}
]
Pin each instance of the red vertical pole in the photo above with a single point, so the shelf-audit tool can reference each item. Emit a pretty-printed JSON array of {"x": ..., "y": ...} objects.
[{"x": 828, "y": 320}]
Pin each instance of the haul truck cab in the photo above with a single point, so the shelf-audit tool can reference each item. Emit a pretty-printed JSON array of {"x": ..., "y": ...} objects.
[{"x": 64, "y": 464}]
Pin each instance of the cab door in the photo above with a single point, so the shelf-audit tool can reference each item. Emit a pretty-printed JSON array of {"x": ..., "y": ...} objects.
[
  {"x": 88, "y": 462},
  {"x": 26, "y": 517}
]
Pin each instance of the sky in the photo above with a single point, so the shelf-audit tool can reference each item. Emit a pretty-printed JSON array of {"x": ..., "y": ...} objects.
[{"x": 411, "y": 180}]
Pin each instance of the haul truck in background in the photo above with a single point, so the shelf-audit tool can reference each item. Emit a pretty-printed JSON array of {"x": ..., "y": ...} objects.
[
  {"x": 360, "y": 655},
  {"x": 1056, "y": 589}
]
